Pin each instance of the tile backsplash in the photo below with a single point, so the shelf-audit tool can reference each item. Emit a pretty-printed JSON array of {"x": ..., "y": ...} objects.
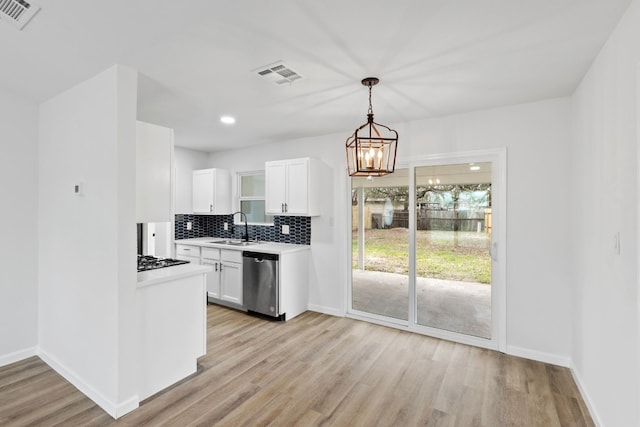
[{"x": 213, "y": 225}]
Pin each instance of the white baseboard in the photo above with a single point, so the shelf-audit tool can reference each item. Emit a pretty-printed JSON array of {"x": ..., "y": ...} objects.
[
  {"x": 17, "y": 356},
  {"x": 116, "y": 410},
  {"x": 331, "y": 311},
  {"x": 540, "y": 356},
  {"x": 585, "y": 396}
]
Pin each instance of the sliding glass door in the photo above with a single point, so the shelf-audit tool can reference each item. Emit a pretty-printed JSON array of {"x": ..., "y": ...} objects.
[
  {"x": 453, "y": 240},
  {"x": 380, "y": 245},
  {"x": 421, "y": 244}
]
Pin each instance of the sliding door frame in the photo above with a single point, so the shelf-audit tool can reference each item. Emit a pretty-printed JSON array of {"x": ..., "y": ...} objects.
[{"x": 498, "y": 159}]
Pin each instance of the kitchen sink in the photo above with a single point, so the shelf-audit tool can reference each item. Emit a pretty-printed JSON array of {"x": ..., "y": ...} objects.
[{"x": 234, "y": 242}]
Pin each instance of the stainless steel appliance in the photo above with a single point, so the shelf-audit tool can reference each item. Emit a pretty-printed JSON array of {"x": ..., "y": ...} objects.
[{"x": 260, "y": 282}]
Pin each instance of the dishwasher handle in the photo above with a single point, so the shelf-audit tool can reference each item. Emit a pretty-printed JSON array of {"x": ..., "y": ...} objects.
[{"x": 260, "y": 256}]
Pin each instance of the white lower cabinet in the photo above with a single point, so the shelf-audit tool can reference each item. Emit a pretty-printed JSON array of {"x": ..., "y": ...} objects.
[
  {"x": 211, "y": 257},
  {"x": 231, "y": 276},
  {"x": 224, "y": 283}
]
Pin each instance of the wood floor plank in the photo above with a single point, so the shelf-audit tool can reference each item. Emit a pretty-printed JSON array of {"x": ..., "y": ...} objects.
[{"x": 317, "y": 370}]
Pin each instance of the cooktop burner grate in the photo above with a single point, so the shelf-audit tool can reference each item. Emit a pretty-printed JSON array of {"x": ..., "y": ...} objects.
[{"x": 148, "y": 262}]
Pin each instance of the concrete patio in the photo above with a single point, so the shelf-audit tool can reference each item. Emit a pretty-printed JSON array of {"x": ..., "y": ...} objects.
[{"x": 463, "y": 307}]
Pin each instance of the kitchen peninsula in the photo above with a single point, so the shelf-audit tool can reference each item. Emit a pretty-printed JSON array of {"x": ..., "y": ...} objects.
[{"x": 172, "y": 320}]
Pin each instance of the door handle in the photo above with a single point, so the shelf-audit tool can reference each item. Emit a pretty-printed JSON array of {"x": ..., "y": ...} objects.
[{"x": 493, "y": 252}]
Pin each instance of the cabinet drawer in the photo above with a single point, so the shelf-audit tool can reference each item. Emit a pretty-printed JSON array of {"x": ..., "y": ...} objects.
[
  {"x": 210, "y": 253},
  {"x": 190, "y": 251},
  {"x": 191, "y": 259},
  {"x": 230, "y": 255}
]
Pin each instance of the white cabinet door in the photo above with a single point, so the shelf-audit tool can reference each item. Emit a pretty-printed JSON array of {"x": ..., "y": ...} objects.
[
  {"x": 292, "y": 186},
  {"x": 231, "y": 282},
  {"x": 297, "y": 202},
  {"x": 154, "y": 158},
  {"x": 211, "y": 191},
  {"x": 203, "y": 191},
  {"x": 213, "y": 278},
  {"x": 211, "y": 257},
  {"x": 275, "y": 174}
]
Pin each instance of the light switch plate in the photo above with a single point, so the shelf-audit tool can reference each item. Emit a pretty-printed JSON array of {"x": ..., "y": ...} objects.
[{"x": 285, "y": 229}]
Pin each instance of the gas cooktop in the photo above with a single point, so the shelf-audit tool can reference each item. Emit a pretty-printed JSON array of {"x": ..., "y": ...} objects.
[{"x": 148, "y": 262}]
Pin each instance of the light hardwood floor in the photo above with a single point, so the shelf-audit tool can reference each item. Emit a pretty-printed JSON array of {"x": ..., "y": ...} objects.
[{"x": 318, "y": 370}]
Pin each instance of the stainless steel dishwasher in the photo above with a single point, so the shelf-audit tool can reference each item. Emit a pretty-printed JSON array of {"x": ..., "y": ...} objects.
[{"x": 260, "y": 283}]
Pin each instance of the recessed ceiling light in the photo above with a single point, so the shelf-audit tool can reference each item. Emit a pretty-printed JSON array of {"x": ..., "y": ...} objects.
[
  {"x": 474, "y": 168},
  {"x": 227, "y": 120}
]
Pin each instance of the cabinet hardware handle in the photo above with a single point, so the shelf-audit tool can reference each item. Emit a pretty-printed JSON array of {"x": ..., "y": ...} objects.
[
  {"x": 286, "y": 207},
  {"x": 186, "y": 249},
  {"x": 220, "y": 266},
  {"x": 210, "y": 208},
  {"x": 281, "y": 207},
  {"x": 216, "y": 266}
]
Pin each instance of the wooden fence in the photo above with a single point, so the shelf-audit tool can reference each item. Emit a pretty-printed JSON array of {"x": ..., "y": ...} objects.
[{"x": 448, "y": 220}]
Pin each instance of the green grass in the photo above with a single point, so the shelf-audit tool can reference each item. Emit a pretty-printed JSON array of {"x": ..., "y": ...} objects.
[{"x": 462, "y": 256}]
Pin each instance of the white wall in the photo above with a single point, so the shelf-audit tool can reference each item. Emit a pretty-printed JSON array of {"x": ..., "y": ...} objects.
[
  {"x": 537, "y": 137},
  {"x": 185, "y": 161},
  {"x": 18, "y": 228},
  {"x": 86, "y": 256},
  {"x": 604, "y": 201},
  {"x": 538, "y": 283}
]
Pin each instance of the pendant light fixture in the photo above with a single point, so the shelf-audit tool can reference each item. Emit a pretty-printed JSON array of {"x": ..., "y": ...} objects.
[{"x": 371, "y": 150}]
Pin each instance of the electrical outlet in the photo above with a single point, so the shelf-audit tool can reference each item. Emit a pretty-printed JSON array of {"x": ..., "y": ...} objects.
[
  {"x": 226, "y": 225},
  {"x": 285, "y": 229},
  {"x": 189, "y": 226}
]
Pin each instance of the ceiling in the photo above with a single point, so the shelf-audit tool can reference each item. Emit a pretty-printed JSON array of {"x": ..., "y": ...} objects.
[{"x": 197, "y": 59}]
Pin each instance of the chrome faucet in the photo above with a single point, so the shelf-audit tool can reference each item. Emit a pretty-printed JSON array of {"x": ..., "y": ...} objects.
[{"x": 246, "y": 226}]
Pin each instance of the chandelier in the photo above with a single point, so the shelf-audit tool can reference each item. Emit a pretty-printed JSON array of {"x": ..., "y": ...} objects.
[{"x": 371, "y": 150}]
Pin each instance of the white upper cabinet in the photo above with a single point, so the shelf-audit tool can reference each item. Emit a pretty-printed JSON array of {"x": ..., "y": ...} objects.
[
  {"x": 291, "y": 187},
  {"x": 211, "y": 192},
  {"x": 154, "y": 165},
  {"x": 275, "y": 187}
]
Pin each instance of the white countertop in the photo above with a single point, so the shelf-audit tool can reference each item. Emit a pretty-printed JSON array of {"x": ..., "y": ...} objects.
[
  {"x": 160, "y": 275},
  {"x": 264, "y": 247}
]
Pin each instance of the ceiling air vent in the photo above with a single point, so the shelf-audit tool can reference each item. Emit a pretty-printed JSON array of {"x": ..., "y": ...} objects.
[
  {"x": 278, "y": 73},
  {"x": 17, "y": 12}
]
